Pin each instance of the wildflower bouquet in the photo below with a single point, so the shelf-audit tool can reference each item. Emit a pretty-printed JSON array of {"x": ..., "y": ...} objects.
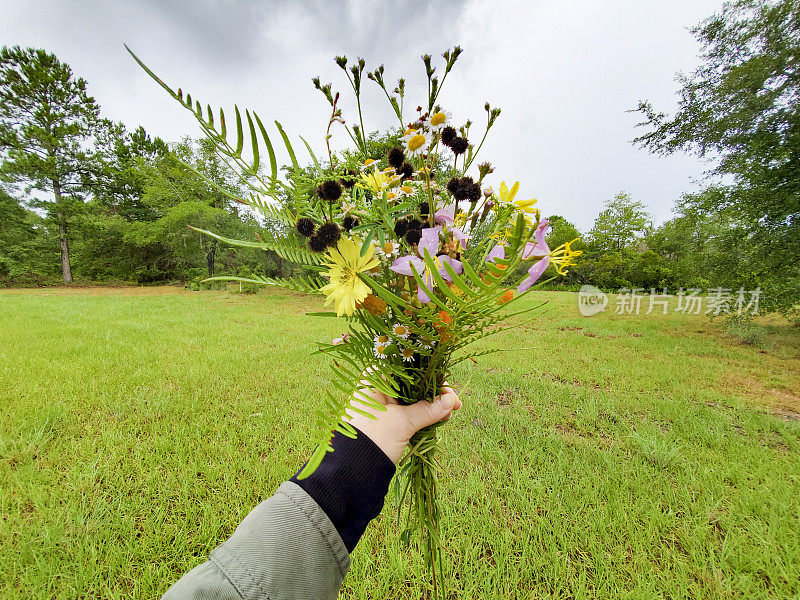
[{"x": 406, "y": 245}]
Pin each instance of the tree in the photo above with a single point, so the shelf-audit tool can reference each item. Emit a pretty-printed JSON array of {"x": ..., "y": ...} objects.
[
  {"x": 740, "y": 108},
  {"x": 562, "y": 231},
  {"x": 106, "y": 246},
  {"x": 185, "y": 197},
  {"x": 619, "y": 225},
  {"x": 118, "y": 177},
  {"x": 46, "y": 118}
]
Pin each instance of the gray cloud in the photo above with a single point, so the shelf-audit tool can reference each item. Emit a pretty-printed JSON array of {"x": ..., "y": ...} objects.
[{"x": 563, "y": 73}]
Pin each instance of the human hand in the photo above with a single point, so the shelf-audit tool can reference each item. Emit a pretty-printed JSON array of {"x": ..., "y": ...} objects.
[{"x": 391, "y": 429}]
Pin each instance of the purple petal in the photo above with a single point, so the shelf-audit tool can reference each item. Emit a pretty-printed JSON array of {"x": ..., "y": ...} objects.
[
  {"x": 402, "y": 265},
  {"x": 533, "y": 274},
  {"x": 445, "y": 215},
  {"x": 460, "y": 236},
  {"x": 539, "y": 235},
  {"x": 497, "y": 252},
  {"x": 455, "y": 264},
  {"x": 540, "y": 248},
  {"x": 423, "y": 297},
  {"x": 430, "y": 241}
]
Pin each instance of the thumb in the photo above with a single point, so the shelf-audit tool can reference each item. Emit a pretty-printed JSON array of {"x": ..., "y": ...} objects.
[{"x": 424, "y": 413}]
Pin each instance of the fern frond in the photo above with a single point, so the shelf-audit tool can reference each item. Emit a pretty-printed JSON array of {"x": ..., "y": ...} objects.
[
  {"x": 247, "y": 170},
  {"x": 287, "y": 248},
  {"x": 309, "y": 285}
]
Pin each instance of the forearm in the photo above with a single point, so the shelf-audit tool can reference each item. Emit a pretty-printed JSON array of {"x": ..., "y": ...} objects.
[{"x": 296, "y": 544}]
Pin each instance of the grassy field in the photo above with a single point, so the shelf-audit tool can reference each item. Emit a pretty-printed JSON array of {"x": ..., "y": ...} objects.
[{"x": 603, "y": 457}]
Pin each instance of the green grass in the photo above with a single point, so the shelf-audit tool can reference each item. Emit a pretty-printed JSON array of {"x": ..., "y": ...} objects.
[{"x": 603, "y": 457}]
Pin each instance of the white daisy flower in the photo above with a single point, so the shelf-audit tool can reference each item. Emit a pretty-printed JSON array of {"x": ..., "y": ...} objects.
[
  {"x": 369, "y": 163},
  {"x": 380, "y": 350},
  {"x": 416, "y": 142},
  {"x": 388, "y": 250},
  {"x": 382, "y": 340},
  {"x": 407, "y": 354},
  {"x": 400, "y": 331},
  {"x": 440, "y": 120}
]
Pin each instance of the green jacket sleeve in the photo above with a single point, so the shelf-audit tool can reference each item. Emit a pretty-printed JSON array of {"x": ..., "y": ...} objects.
[{"x": 285, "y": 549}]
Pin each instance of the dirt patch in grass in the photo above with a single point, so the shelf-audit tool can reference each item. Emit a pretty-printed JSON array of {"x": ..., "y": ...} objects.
[
  {"x": 591, "y": 383},
  {"x": 575, "y": 436},
  {"x": 504, "y": 398},
  {"x": 786, "y": 414},
  {"x": 781, "y": 403}
]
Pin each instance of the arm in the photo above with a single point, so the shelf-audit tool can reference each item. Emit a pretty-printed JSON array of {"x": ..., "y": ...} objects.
[{"x": 296, "y": 545}]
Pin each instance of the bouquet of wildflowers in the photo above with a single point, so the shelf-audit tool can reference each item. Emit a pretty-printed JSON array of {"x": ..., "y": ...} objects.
[{"x": 406, "y": 245}]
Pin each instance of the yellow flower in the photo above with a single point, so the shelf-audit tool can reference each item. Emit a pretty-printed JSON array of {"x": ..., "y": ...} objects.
[
  {"x": 345, "y": 264},
  {"x": 377, "y": 181},
  {"x": 507, "y": 197},
  {"x": 564, "y": 256},
  {"x": 526, "y": 205}
]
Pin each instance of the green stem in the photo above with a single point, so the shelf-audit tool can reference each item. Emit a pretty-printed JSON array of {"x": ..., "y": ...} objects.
[{"x": 474, "y": 154}]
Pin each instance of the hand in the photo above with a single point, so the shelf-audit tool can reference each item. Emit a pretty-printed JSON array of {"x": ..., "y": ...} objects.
[{"x": 391, "y": 430}]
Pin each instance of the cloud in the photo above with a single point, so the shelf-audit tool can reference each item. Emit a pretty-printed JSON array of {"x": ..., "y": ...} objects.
[{"x": 564, "y": 75}]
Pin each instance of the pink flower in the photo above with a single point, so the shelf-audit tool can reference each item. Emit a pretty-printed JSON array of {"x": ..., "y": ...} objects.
[
  {"x": 429, "y": 242},
  {"x": 533, "y": 274},
  {"x": 448, "y": 215},
  {"x": 497, "y": 252},
  {"x": 540, "y": 248},
  {"x": 445, "y": 215},
  {"x": 341, "y": 340}
]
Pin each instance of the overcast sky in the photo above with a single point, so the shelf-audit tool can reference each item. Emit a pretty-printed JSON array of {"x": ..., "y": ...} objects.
[{"x": 564, "y": 74}]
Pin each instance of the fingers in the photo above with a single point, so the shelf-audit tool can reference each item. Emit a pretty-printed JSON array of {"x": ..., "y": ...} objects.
[
  {"x": 367, "y": 393},
  {"x": 422, "y": 414}
]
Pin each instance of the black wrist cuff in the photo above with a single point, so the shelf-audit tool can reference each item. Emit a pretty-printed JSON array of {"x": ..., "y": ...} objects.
[{"x": 350, "y": 485}]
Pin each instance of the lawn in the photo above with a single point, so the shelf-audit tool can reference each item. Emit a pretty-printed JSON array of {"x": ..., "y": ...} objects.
[{"x": 604, "y": 457}]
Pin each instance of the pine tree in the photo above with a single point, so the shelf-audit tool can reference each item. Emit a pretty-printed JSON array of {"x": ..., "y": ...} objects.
[{"x": 46, "y": 119}]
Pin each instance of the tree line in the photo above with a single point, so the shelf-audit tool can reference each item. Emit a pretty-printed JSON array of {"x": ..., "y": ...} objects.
[{"x": 84, "y": 198}]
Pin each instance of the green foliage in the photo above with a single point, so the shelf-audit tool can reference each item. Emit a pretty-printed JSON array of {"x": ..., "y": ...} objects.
[
  {"x": 46, "y": 118},
  {"x": 620, "y": 225},
  {"x": 745, "y": 329},
  {"x": 740, "y": 107},
  {"x": 22, "y": 244}
]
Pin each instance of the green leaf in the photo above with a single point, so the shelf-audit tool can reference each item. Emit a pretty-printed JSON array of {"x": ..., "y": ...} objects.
[
  {"x": 270, "y": 150},
  {"x": 222, "y": 124},
  {"x": 239, "y": 132},
  {"x": 231, "y": 241},
  {"x": 440, "y": 281},
  {"x": 426, "y": 289},
  {"x": 313, "y": 157},
  {"x": 254, "y": 142},
  {"x": 288, "y": 145}
]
